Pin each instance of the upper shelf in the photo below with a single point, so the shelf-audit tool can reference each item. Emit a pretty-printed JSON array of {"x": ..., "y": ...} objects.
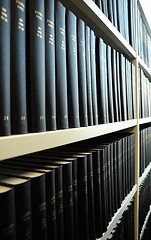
[
  {"x": 146, "y": 120},
  {"x": 88, "y": 11},
  {"x": 17, "y": 145}
]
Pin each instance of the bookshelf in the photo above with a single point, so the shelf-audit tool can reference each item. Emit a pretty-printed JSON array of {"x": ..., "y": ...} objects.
[{"x": 21, "y": 144}]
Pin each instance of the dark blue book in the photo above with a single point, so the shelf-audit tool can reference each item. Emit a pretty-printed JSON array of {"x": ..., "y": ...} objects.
[
  {"x": 82, "y": 74},
  {"x": 72, "y": 70},
  {"x": 7, "y": 210},
  {"x": 37, "y": 104},
  {"x": 101, "y": 81},
  {"x": 110, "y": 84},
  {"x": 50, "y": 66},
  {"x": 5, "y": 126},
  {"x": 18, "y": 67},
  {"x": 88, "y": 75},
  {"x": 61, "y": 68},
  {"x": 93, "y": 77}
]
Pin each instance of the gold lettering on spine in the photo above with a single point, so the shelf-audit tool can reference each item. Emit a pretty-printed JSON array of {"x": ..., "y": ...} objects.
[
  {"x": 39, "y": 15},
  {"x": 21, "y": 24},
  {"x": 9, "y": 229},
  {"x": 4, "y": 16}
]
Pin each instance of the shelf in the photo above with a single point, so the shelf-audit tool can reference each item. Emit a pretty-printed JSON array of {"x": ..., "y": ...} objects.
[
  {"x": 145, "y": 223},
  {"x": 28, "y": 143},
  {"x": 119, "y": 213},
  {"x": 146, "y": 120},
  {"x": 147, "y": 170},
  {"x": 88, "y": 11},
  {"x": 144, "y": 67}
]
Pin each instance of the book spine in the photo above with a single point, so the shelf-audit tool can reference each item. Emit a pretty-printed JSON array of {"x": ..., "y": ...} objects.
[
  {"x": 61, "y": 68},
  {"x": 18, "y": 68},
  {"x": 72, "y": 70},
  {"x": 93, "y": 77},
  {"x": 88, "y": 75},
  {"x": 5, "y": 125},
  {"x": 110, "y": 85},
  {"x": 82, "y": 74},
  {"x": 7, "y": 216},
  {"x": 37, "y": 66},
  {"x": 50, "y": 66}
]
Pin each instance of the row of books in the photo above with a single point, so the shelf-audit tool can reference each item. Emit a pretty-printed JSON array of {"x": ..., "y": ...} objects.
[
  {"x": 61, "y": 75},
  {"x": 125, "y": 226},
  {"x": 145, "y": 149},
  {"x": 144, "y": 200},
  {"x": 122, "y": 15},
  {"x": 144, "y": 95},
  {"x": 144, "y": 38},
  {"x": 71, "y": 192}
]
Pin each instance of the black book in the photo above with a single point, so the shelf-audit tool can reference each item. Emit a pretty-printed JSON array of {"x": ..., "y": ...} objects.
[
  {"x": 5, "y": 125},
  {"x": 88, "y": 74},
  {"x": 131, "y": 15},
  {"x": 82, "y": 191},
  {"x": 115, "y": 86},
  {"x": 105, "y": 7},
  {"x": 110, "y": 11},
  {"x": 99, "y": 3},
  {"x": 18, "y": 67},
  {"x": 93, "y": 77},
  {"x": 50, "y": 66},
  {"x": 110, "y": 85},
  {"x": 82, "y": 74},
  {"x": 114, "y": 7},
  {"x": 51, "y": 176},
  {"x": 123, "y": 88},
  {"x": 61, "y": 68},
  {"x": 101, "y": 81},
  {"x": 67, "y": 189},
  {"x": 78, "y": 153},
  {"x": 7, "y": 216},
  {"x": 38, "y": 198},
  {"x": 72, "y": 70},
  {"x": 22, "y": 196},
  {"x": 118, "y": 86},
  {"x": 36, "y": 84}
]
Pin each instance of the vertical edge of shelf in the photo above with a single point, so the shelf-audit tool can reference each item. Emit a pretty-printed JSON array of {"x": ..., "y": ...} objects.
[
  {"x": 88, "y": 11},
  {"x": 119, "y": 213}
]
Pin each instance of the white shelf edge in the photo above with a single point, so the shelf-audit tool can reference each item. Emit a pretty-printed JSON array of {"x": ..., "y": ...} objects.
[
  {"x": 145, "y": 223},
  {"x": 16, "y": 145},
  {"x": 144, "y": 67},
  {"x": 147, "y": 170},
  {"x": 119, "y": 213},
  {"x": 94, "y": 17},
  {"x": 144, "y": 120}
]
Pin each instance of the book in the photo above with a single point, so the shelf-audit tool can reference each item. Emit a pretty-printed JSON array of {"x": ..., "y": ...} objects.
[
  {"x": 22, "y": 199},
  {"x": 61, "y": 68},
  {"x": 51, "y": 178},
  {"x": 7, "y": 216},
  {"x": 101, "y": 81},
  {"x": 93, "y": 77},
  {"x": 115, "y": 86},
  {"x": 72, "y": 70},
  {"x": 18, "y": 68},
  {"x": 50, "y": 68},
  {"x": 5, "y": 115},
  {"x": 109, "y": 84},
  {"x": 83, "y": 109},
  {"x": 67, "y": 189},
  {"x": 36, "y": 82},
  {"x": 88, "y": 75},
  {"x": 38, "y": 198}
]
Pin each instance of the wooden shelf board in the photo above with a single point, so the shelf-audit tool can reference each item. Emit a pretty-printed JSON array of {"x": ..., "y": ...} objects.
[
  {"x": 16, "y": 145},
  {"x": 144, "y": 67}
]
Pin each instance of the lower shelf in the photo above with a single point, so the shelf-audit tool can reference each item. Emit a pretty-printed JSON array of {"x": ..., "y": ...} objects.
[{"x": 118, "y": 214}]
